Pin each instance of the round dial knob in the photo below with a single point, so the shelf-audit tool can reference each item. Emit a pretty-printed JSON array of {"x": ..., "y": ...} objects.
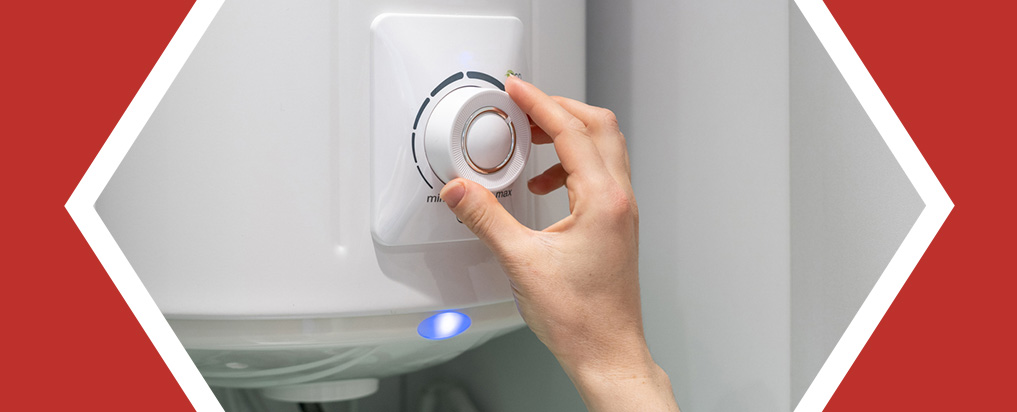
[{"x": 478, "y": 134}]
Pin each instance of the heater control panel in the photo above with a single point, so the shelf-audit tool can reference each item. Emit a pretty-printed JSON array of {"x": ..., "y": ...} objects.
[{"x": 439, "y": 111}]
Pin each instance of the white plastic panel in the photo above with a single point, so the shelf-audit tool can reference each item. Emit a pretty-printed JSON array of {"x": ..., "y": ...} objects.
[
  {"x": 244, "y": 208},
  {"x": 417, "y": 60},
  {"x": 247, "y": 194}
]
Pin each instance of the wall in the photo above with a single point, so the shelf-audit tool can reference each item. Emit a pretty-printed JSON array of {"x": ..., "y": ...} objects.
[
  {"x": 851, "y": 205},
  {"x": 704, "y": 92}
]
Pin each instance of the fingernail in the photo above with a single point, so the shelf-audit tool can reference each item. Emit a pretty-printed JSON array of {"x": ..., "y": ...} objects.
[
  {"x": 453, "y": 193},
  {"x": 513, "y": 79}
]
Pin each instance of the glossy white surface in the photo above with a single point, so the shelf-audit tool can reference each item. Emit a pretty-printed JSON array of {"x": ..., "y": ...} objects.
[
  {"x": 260, "y": 353},
  {"x": 245, "y": 203},
  {"x": 329, "y": 391},
  {"x": 450, "y": 64},
  {"x": 248, "y": 193},
  {"x": 489, "y": 141}
]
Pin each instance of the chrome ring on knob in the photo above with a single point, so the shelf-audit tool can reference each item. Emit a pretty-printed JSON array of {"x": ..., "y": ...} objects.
[{"x": 466, "y": 130}]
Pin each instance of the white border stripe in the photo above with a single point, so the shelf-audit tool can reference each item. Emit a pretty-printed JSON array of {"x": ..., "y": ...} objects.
[
  {"x": 81, "y": 204},
  {"x": 937, "y": 206}
]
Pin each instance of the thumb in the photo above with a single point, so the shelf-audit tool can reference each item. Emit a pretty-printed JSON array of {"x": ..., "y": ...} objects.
[{"x": 478, "y": 209}]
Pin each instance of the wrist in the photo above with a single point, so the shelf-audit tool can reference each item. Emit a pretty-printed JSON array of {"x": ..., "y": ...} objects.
[{"x": 638, "y": 384}]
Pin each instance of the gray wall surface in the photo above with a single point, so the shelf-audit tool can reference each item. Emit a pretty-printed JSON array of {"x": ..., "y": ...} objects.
[
  {"x": 851, "y": 205},
  {"x": 701, "y": 90}
]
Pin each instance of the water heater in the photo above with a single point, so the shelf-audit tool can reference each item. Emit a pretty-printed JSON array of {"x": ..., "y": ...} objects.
[{"x": 281, "y": 205}]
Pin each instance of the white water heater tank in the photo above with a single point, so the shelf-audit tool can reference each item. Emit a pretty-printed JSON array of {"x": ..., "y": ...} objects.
[{"x": 281, "y": 205}]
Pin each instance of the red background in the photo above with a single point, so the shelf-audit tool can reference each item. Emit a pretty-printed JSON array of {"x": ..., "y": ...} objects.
[
  {"x": 949, "y": 341},
  {"x": 70, "y": 70}
]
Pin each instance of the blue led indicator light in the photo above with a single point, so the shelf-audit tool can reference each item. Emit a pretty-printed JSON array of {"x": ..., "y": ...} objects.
[{"x": 443, "y": 325}]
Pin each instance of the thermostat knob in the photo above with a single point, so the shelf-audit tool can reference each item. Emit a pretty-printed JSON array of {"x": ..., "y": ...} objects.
[{"x": 478, "y": 134}]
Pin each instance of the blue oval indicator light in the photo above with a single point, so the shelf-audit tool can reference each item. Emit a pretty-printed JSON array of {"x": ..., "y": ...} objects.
[{"x": 443, "y": 325}]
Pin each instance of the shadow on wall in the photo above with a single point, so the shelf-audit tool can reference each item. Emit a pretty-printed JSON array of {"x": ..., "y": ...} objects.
[{"x": 609, "y": 57}]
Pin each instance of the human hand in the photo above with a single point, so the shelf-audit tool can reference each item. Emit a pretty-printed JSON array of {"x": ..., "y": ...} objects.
[{"x": 576, "y": 283}]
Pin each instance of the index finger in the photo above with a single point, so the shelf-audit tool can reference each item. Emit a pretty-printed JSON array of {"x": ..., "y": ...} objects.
[{"x": 574, "y": 148}]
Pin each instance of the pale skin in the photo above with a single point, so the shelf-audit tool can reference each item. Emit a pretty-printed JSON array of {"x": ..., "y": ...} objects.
[{"x": 576, "y": 283}]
